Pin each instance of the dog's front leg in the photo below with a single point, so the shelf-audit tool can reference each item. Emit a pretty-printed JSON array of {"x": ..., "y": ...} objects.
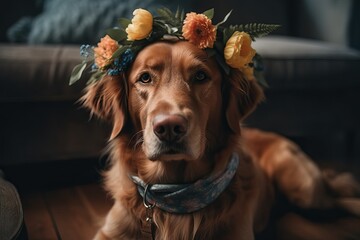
[{"x": 119, "y": 224}]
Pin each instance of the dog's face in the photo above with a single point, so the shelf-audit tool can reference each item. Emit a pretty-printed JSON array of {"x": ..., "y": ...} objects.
[
  {"x": 175, "y": 98},
  {"x": 178, "y": 102}
]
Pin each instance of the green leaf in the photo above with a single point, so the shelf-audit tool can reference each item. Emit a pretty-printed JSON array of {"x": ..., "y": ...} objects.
[
  {"x": 118, "y": 52},
  {"x": 168, "y": 29},
  {"x": 95, "y": 77},
  {"x": 77, "y": 72},
  {"x": 209, "y": 13},
  {"x": 124, "y": 22},
  {"x": 166, "y": 13},
  {"x": 180, "y": 15},
  {"x": 168, "y": 17},
  {"x": 117, "y": 34},
  {"x": 225, "y": 19},
  {"x": 227, "y": 33}
]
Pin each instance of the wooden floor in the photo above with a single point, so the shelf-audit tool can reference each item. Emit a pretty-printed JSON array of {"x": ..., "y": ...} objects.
[{"x": 74, "y": 212}]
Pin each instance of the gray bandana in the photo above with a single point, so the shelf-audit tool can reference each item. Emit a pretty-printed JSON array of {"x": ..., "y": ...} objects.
[{"x": 187, "y": 198}]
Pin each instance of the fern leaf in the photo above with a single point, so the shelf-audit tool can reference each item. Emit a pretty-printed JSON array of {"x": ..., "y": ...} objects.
[{"x": 257, "y": 30}]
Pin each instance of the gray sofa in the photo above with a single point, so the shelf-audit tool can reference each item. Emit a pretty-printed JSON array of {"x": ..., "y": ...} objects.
[{"x": 313, "y": 97}]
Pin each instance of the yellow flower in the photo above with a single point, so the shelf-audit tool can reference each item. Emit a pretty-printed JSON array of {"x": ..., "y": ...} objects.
[
  {"x": 140, "y": 26},
  {"x": 238, "y": 52},
  {"x": 198, "y": 30},
  {"x": 104, "y": 51}
]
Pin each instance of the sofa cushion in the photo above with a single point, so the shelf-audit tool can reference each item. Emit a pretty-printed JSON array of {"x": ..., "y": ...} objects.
[
  {"x": 302, "y": 63},
  {"x": 41, "y": 120},
  {"x": 38, "y": 73}
]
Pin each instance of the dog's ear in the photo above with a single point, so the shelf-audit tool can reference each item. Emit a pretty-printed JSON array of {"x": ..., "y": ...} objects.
[
  {"x": 107, "y": 99},
  {"x": 243, "y": 97}
]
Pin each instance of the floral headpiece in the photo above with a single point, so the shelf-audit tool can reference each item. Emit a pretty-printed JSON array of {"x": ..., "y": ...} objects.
[{"x": 231, "y": 45}]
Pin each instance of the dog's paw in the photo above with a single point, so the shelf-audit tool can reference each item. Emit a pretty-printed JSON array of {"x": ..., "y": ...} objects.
[
  {"x": 309, "y": 194},
  {"x": 298, "y": 178},
  {"x": 342, "y": 184}
]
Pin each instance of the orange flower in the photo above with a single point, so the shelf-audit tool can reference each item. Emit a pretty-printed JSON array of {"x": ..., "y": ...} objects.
[
  {"x": 104, "y": 51},
  {"x": 198, "y": 30}
]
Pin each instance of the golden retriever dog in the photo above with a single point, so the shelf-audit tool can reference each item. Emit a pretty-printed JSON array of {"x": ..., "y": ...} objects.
[{"x": 176, "y": 126}]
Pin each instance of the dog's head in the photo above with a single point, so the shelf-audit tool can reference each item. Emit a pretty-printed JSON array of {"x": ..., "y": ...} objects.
[{"x": 175, "y": 101}]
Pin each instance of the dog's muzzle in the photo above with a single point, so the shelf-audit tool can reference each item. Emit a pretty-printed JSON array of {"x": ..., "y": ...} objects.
[{"x": 170, "y": 128}]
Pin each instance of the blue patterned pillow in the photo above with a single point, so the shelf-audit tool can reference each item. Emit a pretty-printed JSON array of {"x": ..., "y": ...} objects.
[{"x": 80, "y": 21}]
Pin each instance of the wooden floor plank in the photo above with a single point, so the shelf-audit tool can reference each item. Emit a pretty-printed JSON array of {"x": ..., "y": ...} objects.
[
  {"x": 98, "y": 202},
  {"x": 70, "y": 212},
  {"x": 37, "y": 218},
  {"x": 67, "y": 213}
]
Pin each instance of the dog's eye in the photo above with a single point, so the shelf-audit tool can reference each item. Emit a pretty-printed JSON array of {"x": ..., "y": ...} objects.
[
  {"x": 145, "y": 78},
  {"x": 200, "y": 76}
]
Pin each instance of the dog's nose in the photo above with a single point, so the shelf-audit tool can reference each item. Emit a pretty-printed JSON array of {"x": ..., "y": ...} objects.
[{"x": 169, "y": 128}]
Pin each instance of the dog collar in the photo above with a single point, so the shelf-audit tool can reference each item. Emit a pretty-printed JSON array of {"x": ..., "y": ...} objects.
[{"x": 187, "y": 198}]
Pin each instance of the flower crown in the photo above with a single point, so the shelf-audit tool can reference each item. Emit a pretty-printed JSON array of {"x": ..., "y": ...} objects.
[{"x": 231, "y": 45}]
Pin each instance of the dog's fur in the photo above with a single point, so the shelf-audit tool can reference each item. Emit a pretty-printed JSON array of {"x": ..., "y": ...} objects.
[{"x": 176, "y": 80}]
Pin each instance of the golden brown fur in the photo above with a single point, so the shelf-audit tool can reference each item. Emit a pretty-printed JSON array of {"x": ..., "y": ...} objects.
[{"x": 185, "y": 82}]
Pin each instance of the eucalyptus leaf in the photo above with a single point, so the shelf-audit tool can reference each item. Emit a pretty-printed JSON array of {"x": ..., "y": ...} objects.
[
  {"x": 209, "y": 13},
  {"x": 77, "y": 72}
]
